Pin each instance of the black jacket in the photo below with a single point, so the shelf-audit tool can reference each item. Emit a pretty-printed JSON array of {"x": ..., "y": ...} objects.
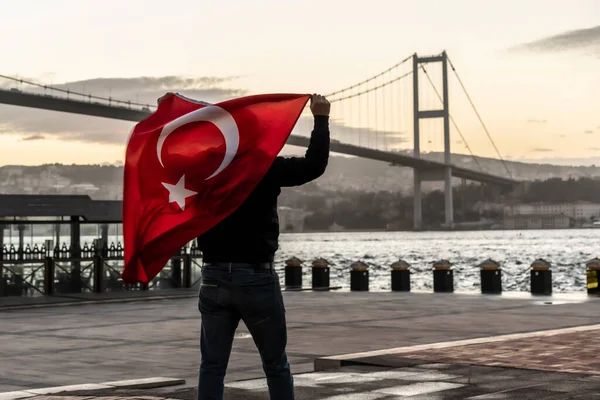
[{"x": 251, "y": 233}]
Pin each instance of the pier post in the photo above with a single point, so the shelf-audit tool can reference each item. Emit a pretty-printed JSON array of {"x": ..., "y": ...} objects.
[
  {"x": 1, "y": 244},
  {"x": 176, "y": 269},
  {"x": 359, "y": 277},
  {"x": 187, "y": 270},
  {"x": 57, "y": 234},
  {"x": 1, "y": 258},
  {"x": 98, "y": 266},
  {"x": 104, "y": 237},
  {"x": 49, "y": 276},
  {"x": 293, "y": 273},
  {"x": 21, "y": 228},
  {"x": 541, "y": 277},
  {"x": 443, "y": 277},
  {"x": 592, "y": 276},
  {"x": 320, "y": 274},
  {"x": 491, "y": 277},
  {"x": 75, "y": 254},
  {"x": 400, "y": 276}
]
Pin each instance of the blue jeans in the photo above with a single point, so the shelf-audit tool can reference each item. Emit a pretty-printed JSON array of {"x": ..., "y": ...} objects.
[{"x": 254, "y": 296}]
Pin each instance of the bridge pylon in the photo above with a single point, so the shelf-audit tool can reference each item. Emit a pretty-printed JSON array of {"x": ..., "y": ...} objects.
[{"x": 444, "y": 173}]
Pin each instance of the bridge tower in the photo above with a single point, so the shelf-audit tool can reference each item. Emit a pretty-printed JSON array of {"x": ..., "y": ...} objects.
[{"x": 444, "y": 174}]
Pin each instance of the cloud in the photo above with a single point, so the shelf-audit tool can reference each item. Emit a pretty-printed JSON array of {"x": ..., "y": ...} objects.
[
  {"x": 536, "y": 121},
  {"x": 26, "y": 122},
  {"x": 541, "y": 150},
  {"x": 144, "y": 90},
  {"x": 580, "y": 39},
  {"x": 33, "y": 137}
]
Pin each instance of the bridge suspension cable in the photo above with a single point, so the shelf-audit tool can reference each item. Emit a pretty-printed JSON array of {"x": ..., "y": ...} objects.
[
  {"x": 370, "y": 79},
  {"x": 371, "y": 89},
  {"x": 452, "y": 119},
  {"x": 479, "y": 117}
]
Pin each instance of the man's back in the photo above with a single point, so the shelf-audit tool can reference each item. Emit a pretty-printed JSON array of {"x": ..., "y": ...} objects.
[{"x": 251, "y": 233}]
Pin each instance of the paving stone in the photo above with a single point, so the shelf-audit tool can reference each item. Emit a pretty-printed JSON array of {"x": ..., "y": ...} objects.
[
  {"x": 147, "y": 383},
  {"x": 13, "y": 395},
  {"x": 569, "y": 352},
  {"x": 420, "y": 388},
  {"x": 111, "y": 342}
]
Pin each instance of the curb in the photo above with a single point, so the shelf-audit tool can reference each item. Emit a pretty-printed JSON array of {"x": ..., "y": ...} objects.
[
  {"x": 310, "y": 289},
  {"x": 77, "y": 302},
  {"x": 145, "y": 383},
  {"x": 336, "y": 362}
]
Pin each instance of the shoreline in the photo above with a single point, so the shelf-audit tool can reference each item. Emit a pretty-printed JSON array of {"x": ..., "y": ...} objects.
[{"x": 437, "y": 230}]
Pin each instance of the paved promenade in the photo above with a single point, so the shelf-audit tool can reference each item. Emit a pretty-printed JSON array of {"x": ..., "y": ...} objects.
[{"x": 89, "y": 343}]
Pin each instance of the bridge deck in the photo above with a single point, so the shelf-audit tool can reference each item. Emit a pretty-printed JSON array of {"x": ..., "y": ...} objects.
[{"x": 47, "y": 102}]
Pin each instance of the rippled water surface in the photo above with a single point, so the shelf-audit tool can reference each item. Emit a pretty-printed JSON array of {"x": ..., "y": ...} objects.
[{"x": 567, "y": 250}]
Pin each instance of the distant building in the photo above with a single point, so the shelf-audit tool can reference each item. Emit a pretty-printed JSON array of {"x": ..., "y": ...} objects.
[
  {"x": 537, "y": 221},
  {"x": 483, "y": 206},
  {"x": 291, "y": 219},
  {"x": 83, "y": 188},
  {"x": 577, "y": 210},
  {"x": 335, "y": 227}
]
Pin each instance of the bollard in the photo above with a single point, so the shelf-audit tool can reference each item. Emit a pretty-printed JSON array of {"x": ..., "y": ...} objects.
[
  {"x": 187, "y": 270},
  {"x": 400, "y": 276},
  {"x": 443, "y": 277},
  {"x": 293, "y": 273},
  {"x": 592, "y": 274},
  {"x": 359, "y": 277},
  {"x": 49, "y": 271},
  {"x": 98, "y": 266},
  {"x": 541, "y": 277},
  {"x": 491, "y": 277},
  {"x": 320, "y": 274}
]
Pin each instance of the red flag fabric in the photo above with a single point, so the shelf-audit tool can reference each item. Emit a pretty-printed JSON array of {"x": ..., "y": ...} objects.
[{"x": 189, "y": 165}]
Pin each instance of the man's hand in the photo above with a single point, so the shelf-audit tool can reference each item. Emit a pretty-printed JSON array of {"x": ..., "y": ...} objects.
[{"x": 319, "y": 105}]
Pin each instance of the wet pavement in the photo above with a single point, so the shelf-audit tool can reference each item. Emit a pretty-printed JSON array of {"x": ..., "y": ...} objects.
[{"x": 54, "y": 346}]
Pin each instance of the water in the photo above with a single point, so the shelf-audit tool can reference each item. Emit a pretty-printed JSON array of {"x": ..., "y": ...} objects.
[{"x": 567, "y": 250}]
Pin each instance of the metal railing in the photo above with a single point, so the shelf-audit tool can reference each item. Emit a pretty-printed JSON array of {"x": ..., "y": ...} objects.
[{"x": 38, "y": 271}]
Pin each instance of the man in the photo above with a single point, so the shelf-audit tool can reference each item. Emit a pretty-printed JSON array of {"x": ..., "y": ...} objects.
[{"x": 238, "y": 277}]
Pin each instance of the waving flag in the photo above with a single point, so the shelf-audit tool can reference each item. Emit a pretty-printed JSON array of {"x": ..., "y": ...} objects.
[{"x": 190, "y": 164}]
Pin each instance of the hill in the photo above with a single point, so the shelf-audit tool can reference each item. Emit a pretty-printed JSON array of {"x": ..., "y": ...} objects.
[{"x": 343, "y": 173}]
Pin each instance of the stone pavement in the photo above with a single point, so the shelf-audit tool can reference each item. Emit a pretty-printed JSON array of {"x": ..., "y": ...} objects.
[
  {"x": 26, "y": 302},
  {"x": 107, "y": 342},
  {"x": 420, "y": 380},
  {"x": 577, "y": 352},
  {"x": 424, "y": 380}
]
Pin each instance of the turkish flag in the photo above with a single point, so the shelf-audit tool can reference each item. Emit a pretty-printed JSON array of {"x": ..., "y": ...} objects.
[{"x": 190, "y": 164}]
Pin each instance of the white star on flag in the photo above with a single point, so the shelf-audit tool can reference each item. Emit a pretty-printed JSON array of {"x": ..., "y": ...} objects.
[{"x": 178, "y": 193}]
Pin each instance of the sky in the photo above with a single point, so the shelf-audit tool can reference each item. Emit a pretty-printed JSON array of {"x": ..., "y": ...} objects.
[{"x": 531, "y": 67}]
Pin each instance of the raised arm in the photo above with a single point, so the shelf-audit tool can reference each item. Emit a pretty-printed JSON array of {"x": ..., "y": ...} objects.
[{"x": 295, "y": 171}]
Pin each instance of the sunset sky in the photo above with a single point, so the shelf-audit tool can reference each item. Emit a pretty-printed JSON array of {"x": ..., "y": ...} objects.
[{"x": 531, "y": 66}]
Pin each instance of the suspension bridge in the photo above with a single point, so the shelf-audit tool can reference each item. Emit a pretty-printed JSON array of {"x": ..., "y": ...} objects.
[{"x": 370, "y": 119}]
